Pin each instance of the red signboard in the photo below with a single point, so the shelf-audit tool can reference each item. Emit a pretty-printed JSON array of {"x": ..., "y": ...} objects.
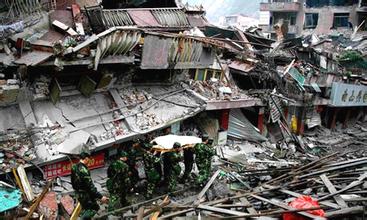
[{"x": 63, "y": 168}]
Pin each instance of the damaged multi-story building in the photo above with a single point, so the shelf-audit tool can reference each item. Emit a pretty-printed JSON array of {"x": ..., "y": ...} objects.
[
  {"x": 105, "y": 74},
  {"x": 311, "y": 16}
]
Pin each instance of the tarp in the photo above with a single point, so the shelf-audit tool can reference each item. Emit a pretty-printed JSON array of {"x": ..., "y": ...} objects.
[
  {"x": 241, "y": 128},
  {"x": 9, "y": 198},
  {"x": 167, "y": 141}
]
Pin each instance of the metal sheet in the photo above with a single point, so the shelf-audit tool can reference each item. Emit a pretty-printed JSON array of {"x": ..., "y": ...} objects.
[
  {"x": 170, "y": 17},
  {"x": 116, "y": 43},
  {"x": 197, "y": 20},
  {"x": 155, "y": 52},
  {"x": 117, "y": 17},
  {"x": 241, "y": 66},
  {"x": 241, "y": 128},
  {"x": 143, "y": 18}
]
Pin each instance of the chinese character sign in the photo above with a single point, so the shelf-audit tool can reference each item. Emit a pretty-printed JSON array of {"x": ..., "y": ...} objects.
[
  {"x": 348, "y": 95},
  {"x": 63, "y": 168}
]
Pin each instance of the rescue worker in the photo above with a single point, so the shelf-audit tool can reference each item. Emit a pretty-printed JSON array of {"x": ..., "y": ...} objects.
[
  {"x": 85, "y": 191},
  {"x": 189, "y": 162},
  {"x": 165, "y": 160},
  {"x": 173, "y": 159},
  {"x": 118, "y": 183},
  {"x": 151, "y": 159},
  {"x": 133, "y": 153},
  {"x": 203, "y": 159}
]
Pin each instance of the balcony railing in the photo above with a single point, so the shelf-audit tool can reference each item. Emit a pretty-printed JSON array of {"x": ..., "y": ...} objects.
[{"x": 280, "y": 6}]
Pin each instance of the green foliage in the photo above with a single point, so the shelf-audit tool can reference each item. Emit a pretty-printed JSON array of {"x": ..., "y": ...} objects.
[{"x": 352, "y": 59}]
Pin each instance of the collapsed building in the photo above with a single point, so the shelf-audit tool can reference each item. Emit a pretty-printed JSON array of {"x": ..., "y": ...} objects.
[{"x": 77, "y": 72}]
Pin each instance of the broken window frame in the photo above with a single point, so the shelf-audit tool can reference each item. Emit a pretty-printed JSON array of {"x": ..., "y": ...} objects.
[
  {"x": 311, "y": 17},
  {"x": 291, "y": 17},
  {"x": 338, "y": 22}
]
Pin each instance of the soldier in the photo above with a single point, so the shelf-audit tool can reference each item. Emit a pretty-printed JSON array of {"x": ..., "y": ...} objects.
[
  {"x": 153, "y": 177},
  {"x": 118, "y": 183},
  {"x": 203, "y": 158},
  {"x": 165, "y": 160},
  {"x": 173, "y": 159},
  {"x": 85, "y": 190},
  {"x": 133, "y": 153},
  {"x": 189, "y": 162}
]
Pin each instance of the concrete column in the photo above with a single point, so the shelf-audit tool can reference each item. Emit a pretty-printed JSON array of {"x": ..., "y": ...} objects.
[
  {"x": 224, "y": 119},
  {"x": 347, "y": 116},
  {"x": 333, "y": 122},
  {"x": 260, "y": 120}
]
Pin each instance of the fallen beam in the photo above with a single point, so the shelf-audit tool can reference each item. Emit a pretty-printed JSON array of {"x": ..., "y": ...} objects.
[
  {"x": 332, "y": 189},
  {"x": 345, "y": 212},
  {"x": 207, "y": 186},
  {"x": 353, "y": 184},
  {"x": 221, "y": 210}
]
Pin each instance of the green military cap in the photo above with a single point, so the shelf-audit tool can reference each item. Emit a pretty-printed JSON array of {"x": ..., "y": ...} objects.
[
  {"x": 84, "y": 154},
  {"x": 205, "y": 137},
  {"x": 122, "y": 153},
  {"x": 176, "y": 145}
]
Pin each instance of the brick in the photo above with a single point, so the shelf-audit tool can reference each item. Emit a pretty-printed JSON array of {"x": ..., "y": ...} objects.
[
  {"x": 48, "y": 206},
  {"x": 68, "y": 204}
]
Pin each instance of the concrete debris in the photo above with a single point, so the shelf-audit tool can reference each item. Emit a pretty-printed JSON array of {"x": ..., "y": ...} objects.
[{"x": 287, "y": 117}]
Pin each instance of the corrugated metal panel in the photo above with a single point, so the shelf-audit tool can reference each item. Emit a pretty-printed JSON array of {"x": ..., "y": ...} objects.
[
  {"x": 155, "y": 52},
  {"x": 116, "y": 43},
  {"x": 241, "y": 128},
  {"x": 275, "y": 103},
  {"x": 170, "y": 17},
  {"x": 143, "y": 18},
  {"x": 161, "y": 52},
  {"x": 196, "y": 20},
  {"x": 112, "y": 18}
]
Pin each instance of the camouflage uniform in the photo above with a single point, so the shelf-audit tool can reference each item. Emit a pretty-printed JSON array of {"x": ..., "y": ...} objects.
[
  {"x": 203, "y": 160},
  {"x": 133, "y": 154},
  {"x": 85, "y": 191},
  {"x": 153, "y": 176},
  {"x": 173, "y": 159},
  {"x": 118, "y": 184}
]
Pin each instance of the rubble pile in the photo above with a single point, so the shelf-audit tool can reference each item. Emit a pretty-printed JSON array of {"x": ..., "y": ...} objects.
[
  {"x": 214, "y": 89},
  {"x": 16, "y": 148}
]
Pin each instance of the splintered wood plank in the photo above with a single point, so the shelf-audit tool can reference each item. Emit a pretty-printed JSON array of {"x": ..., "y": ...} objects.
[
  {"x": 353, "y": 184},
  {"x": 250, "y": 209},
  {"x": 332, "y": 189}
]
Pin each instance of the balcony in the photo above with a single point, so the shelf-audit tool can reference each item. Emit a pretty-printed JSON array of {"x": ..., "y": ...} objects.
[{"x": 280, "y": 6}]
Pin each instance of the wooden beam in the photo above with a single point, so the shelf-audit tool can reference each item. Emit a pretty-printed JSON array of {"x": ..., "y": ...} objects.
[
  {"x": 38, "y": 200},
  {"x": 207, "y": 186},
  {"x": 345, "y": 212},
  {"x": 353, "y": 184},
  {"x": 332, "y": 189},
  {"x": 76, "y": 212},
  {"x": 221, "y": 210},
  {"x": 250, "y": 209}
]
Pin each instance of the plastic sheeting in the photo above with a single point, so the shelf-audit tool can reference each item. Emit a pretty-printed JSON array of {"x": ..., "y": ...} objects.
[
  {"x": 9, "y": 198},
  {"x": 241, "y": 128},
  {"x": 167, "y": 141}
]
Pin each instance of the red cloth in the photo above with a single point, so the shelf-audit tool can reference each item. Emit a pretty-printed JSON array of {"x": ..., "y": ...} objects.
[{"x": 303, "y": 202}]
